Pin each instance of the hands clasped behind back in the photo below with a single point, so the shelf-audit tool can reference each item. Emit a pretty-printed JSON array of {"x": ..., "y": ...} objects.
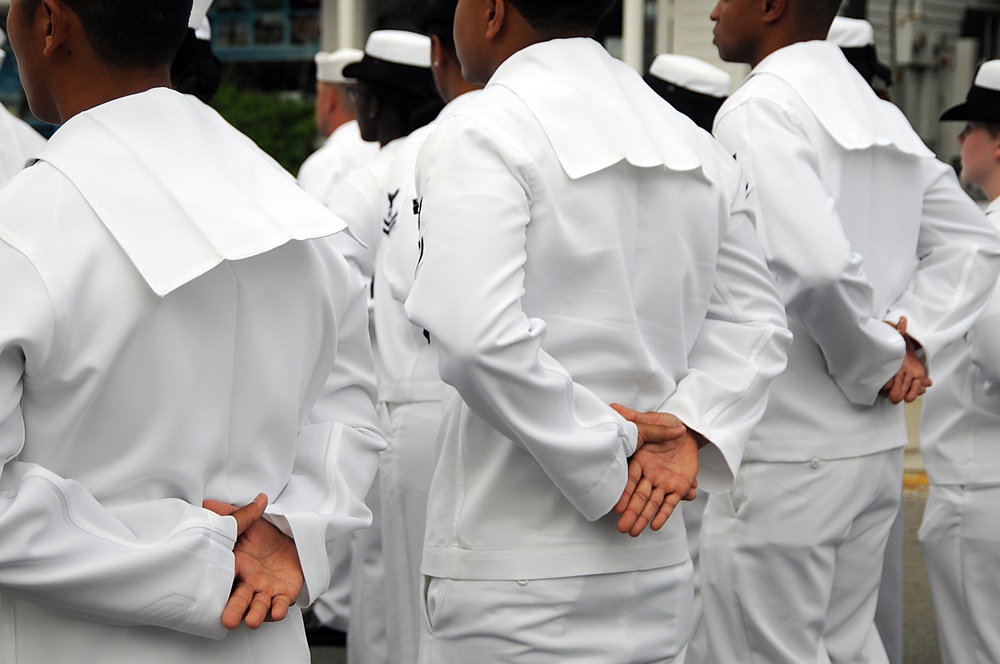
[
  {"x": 661, "y": 473},
  {"x": 268, "y": 575}
]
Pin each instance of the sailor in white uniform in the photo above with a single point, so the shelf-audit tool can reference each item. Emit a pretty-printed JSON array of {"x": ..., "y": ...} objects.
[
  {"x": 881, "y": 260},
  {"x": 161, "y": 350},
  {"x": 583, "y": 243},
  {"x": 958, "y": 430},
  {"x": 343, "y": 149},
  {"x": 410, "y": 388}
]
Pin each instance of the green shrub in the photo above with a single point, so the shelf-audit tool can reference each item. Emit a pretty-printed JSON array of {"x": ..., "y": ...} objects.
[{"x": 281, "y": 125}]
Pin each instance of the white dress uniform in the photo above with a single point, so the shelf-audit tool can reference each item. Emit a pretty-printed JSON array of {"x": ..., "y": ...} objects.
[
  {"x": 160, "y": 347},
  {"x": 860, "y": 224},
  {"x": 341, "y": 153},
  {"x": 696, "y": 89},
  {"x": 357, "y": 199},
  {"x": 960, "y": 422},
  {"x": 410, "y": 392},
  {"x": 583, "y": 243}
]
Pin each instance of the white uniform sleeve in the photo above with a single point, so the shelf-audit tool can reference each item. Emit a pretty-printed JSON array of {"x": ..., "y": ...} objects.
[
  {"x": 467, "y": 294},
  {"x": 739, "y": 351},
  {"x": 337, "y": 453},
  {"x": 401, "y": 248},
  {"x": 958, "y": 264},
  {"x": 357, "y": 200},
  {"x": 314, "y": 178},
  {"x": 162, "y": 562},
  {"x": 819, "y": 277},
  {"x": 984, "y": 340}
]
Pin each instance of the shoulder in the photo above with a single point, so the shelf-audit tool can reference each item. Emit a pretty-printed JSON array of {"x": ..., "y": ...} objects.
[
  {"x": 763, "y": 93},
  {"x": 35, "y": 193},
  {"x": 496, "y": 121}
]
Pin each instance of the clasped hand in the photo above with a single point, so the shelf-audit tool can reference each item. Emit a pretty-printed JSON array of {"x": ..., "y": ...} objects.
[
  {"x": 911, "y": 381},
  {"x": 268, "y": 575},
  {"x": 661, "y": 473}
]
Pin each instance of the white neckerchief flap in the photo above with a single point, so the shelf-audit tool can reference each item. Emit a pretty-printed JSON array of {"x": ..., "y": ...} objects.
[
  {"x": 852, "y": 114},
  {"x": 179, "y": 188},
  {"x": 595, "y": 110}
]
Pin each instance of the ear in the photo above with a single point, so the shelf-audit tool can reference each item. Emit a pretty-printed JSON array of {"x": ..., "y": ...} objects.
[
  {"x": 332, "y": 99},
  {"x": 772, "y": 10},
  {"x": 57, "y": 19},
  {"x": 438, "y": 51},
  {"x": 496, "y": 18}
]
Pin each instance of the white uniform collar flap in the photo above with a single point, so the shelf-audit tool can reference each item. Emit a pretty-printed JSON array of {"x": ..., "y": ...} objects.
[
  {"x": 620, "y": 119},
  {"x": 149, "y": 166},
  {"x": 853, "y": 115}
]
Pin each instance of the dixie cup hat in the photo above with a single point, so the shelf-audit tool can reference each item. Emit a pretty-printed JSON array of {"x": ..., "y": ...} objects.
[
  {"x": 982, "y": 104},
  {"x": 330, "y": 66}
]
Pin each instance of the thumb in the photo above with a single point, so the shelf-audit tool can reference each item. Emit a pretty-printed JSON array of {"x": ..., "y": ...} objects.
[
  {"x": 624, "y": 411},
  {"x": 247, "y": 515}
]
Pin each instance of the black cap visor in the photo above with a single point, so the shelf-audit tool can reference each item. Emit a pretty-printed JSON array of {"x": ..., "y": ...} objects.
[
  {"x": 981, "y": 105},
  {"x": 698, "y": 106},
  {"x": 404, "y": 77}
]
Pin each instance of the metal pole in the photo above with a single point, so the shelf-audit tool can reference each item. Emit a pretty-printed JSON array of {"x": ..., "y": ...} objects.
[
  {"x": 633, "y": 33},
  {"x": 664, "y": 20},
  {"x": 347, "y": 24}
]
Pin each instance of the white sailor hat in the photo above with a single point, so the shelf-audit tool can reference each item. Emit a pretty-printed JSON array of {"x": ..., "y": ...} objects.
[
  {"x": 856, "y": 38},
  {"x": 691, "y": 73},
  {"x": 692, "y": 86},
  {"x": 982, "y": 104},
  {"x": 330, "y": 66},
  {"x": 397, "y": 58},
  {"x": 199, "y": 11},
  {"x": 851, "y": 32}
]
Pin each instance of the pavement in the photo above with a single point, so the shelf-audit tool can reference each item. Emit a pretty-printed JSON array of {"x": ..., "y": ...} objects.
[{"x": 920, "y": 642}]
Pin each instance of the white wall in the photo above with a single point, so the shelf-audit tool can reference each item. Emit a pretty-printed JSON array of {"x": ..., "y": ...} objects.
[{"x": 692, "y": 35}]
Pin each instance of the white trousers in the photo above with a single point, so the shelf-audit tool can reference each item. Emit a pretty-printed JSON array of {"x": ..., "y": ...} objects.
[
  {"x": 623, "y": 618},
  {"x": 960, "y": 536},
  {"x": 406, "y": 470},
  {"x": 366, "y": 632},
  {"x": 889, "y": 612},
  {"x": 694, "y": 512},
  {"x": 791, "y": 561}
]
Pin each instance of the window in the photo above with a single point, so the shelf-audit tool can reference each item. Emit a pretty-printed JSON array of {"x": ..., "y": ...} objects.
[{"x": 265, "y": 30}]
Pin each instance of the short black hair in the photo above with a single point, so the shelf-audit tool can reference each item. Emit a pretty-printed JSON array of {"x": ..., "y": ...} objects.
[
  {"x": 817, "y": 15},
  {"x": 564, "y": 17},
  {"x": 436, "y": 17},
  {"x": 415, "y": 106},
  {"x": 992, "y": 128},
  {"x": 132, "y": 33}
]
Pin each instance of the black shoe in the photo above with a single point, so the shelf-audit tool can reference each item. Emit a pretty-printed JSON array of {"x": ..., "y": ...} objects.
[{"x": 318, "y": 634}]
